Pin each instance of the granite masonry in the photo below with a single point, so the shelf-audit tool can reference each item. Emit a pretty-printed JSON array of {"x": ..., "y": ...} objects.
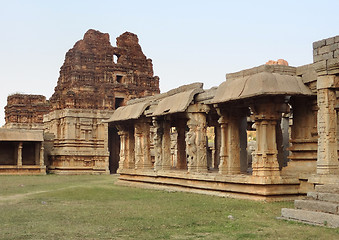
[
  {"x": 95, "y": 79},
  {"x": 266, "y": 133}
]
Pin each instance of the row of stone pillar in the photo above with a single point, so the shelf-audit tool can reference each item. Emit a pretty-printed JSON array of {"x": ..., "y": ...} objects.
[
  {"x": 192, "y": 146},
  {"x": 39, "y": 154},
  {"x": 135, "y": 144}
]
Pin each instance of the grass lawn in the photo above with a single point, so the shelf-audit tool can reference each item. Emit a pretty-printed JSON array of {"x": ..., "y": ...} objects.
[{"x": 93, "y": 207}]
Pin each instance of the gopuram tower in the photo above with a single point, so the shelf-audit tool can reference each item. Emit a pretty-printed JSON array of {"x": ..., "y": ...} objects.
[{"x": 95, "y": 79}]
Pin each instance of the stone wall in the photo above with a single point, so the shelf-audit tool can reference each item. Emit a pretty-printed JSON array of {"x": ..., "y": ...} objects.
[{"x": 326, "y": 49}]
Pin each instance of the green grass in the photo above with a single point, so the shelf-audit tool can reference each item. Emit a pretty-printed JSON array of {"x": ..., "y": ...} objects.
[{"x": 93, "y": 207}]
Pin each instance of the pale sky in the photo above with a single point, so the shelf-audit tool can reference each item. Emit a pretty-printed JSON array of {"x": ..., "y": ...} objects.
[{"x": 188, "y": 41}]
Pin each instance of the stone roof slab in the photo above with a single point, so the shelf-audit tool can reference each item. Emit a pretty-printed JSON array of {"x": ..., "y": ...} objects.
[
  {"x": 260, "y": 84},
  {"x": 133, "y": 111},
  {"x": 176, "y": 103},
  {"x": 21, "y": 135}
]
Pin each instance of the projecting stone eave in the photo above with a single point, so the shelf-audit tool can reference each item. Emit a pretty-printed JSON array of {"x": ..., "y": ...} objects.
[
  {"x": 259, "y": 85},
  {"x": 129, "y": 112},
  {"x": 174, "y": 101}
]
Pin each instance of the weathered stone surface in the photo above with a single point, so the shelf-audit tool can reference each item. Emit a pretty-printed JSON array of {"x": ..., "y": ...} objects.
[
  {"x": 95, "y": 79},
  {"x": 278, "y": 62},
  {"x": 310, "y": 217},
  {"x": 21, "y": 151},
  {"x": 319, "y": 44},
  {"x": 260, "y": 84},
  {"x": 280, "y": 69},
  {"x": 327, "y": 188},
  {"x": 17, "y": 135},
  {"x": 327, "y": 161},
  {"x": 328, "y": 197},
  {"x": 330, "y": 41},
  {"x": 326, "y": 52},
  {"x": 96, "y": 75},
  {"x": 312, "y": 195},
  {"x": 319, "y": 206},
  {"x": 25, "y": 111}
]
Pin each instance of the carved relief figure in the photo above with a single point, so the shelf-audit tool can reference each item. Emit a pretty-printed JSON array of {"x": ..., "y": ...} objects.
[
  {"x": 191, "y": 148},
  {"x": 157, "y": 142}
]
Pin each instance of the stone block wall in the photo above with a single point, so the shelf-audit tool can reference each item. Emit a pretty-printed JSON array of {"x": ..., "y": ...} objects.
[
  {"x": 326, "y": 49},
  {"x": 326, "y": 64},
  {"x": 326, "y": 56}
]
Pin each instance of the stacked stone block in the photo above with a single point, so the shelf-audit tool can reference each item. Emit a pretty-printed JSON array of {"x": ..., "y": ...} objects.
[
  {"x": 320, "y": 208},
  {"x": 326, "y": 56},
  {"x": 326, "y": 49}
]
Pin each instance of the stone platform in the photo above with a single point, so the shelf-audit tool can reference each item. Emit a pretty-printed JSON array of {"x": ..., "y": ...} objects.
[
  {"x": 321, "y": 207},
  {"x": 23, "y": 170},
  {"x": 236, "y": 186},
  {"x": 78, "y": 170}
]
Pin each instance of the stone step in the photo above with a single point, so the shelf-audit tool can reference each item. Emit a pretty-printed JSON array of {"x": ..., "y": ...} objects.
[
  {"x": 327, "y": 197},
  {"x": 310, "y": 217},
  {"x": 327, "y": 188},
  {"x": 318, "y": 206}
]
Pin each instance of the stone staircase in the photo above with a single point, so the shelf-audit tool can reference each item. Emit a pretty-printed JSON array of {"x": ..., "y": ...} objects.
[{"x": 321, "y": 207}]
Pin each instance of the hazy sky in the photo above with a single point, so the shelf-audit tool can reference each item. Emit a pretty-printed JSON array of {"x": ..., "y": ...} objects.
[{"x": 188, "y": 41}]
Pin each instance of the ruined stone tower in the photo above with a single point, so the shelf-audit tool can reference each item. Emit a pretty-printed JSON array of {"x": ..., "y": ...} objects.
[
  {"x": 25, "y": 111},
  {"x": 95, "y": 79},
  {"x": 96, "y": 75}
]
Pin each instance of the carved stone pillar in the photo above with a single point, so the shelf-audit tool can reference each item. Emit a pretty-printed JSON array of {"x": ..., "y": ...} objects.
[
  {"x": 243, "y": 143},
  {"x": 166, "y": 146},
  {"x": 123, "y": 156},
  {"x": 230, "y": 144},
  {"x": 19, "y": 160},
  {"x": 138, "y": 149},
  {"x": 142, "y": 146},
  {"x": 37, "y": 153},
  {"x": 223, "y": 146},
  {"x": 130, "y": 148},
  {"x": 217, "y": 143},
  {"x": 146, "y": 144},
  {"x": 41, "y": 154},
  {"x": 127, "y": 158},
  {"x": 327, "y": 162},
  {"x": 266, "y": 114},
  {"x": 158, "y": 132},
  {"x": 181, "y": 145},
  {"x": 196, "y": 139}
]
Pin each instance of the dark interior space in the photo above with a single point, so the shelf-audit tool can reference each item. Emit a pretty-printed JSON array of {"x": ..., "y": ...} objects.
[{"x": 114, "y": 149}]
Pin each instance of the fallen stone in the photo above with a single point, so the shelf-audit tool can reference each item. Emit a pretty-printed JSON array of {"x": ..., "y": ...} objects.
[
  {"x": 318, "y": 206},
  {"x": 309, "y": 217}
]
